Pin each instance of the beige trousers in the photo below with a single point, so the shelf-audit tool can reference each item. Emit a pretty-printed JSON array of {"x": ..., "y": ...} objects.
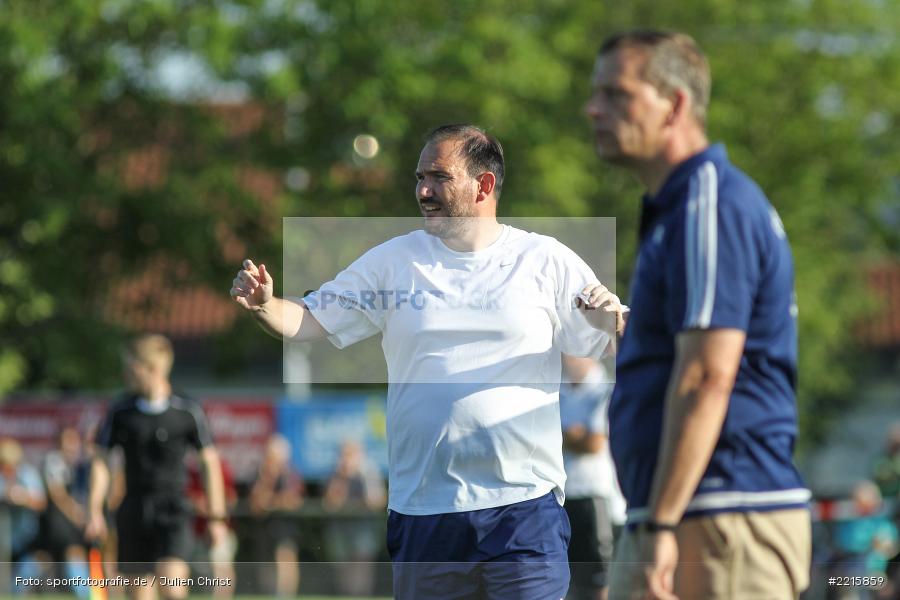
[{"x": 727, "y": 556}]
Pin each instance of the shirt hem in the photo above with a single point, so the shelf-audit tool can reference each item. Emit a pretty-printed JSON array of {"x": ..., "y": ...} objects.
[
  {"x": 438, "y": 510},
  {"x": 735, "y": 502}
]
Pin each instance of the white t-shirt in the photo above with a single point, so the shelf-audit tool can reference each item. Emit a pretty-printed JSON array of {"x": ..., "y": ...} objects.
[
  {"x": 591, "y": 475},
  {"x": 472, "y": 342}
]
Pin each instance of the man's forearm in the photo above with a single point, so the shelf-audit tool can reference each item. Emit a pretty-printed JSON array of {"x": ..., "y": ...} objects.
[
  {"x": 695, "y": 408},
  {"x": 99, "y": 484},
  {"x": 691, "y": 430},
  {"x": 215, "y": 485},
  {"x": 280, "y": 318}
]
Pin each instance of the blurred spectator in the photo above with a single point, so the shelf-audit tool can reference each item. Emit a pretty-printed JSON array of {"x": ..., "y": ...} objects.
[
  {"x": 887, "y": 467},
  {"x": 594, "y": 503},
  {"x": 22, "y": 499},
  {"x": 871, "y": 536},
  {"x": 219, "y": 556},
  {"x": 353, "y": 539},
  {"x": 863, "y": 545},
  {"x": 275, "y": 495},
  {"x": 66, "y": 472}
]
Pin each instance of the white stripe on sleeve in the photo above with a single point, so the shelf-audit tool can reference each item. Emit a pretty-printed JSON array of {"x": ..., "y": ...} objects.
[
  {"x": 701, "y": 241},
  {"x": 690, "y": 248}
]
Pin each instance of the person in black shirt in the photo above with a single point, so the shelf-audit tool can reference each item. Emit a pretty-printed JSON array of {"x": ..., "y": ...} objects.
[
  {"x": 66, "y": 471},
  {"x": 154, "y": 427}
]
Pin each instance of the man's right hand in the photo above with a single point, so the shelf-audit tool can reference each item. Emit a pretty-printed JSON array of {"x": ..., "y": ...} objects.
[
  {"x": 96, "y": 527},
  {"x": 252, "y": 287}
]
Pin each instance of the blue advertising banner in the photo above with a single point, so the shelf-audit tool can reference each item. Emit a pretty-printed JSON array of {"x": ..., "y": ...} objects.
[{"x": 317, "y": 428}]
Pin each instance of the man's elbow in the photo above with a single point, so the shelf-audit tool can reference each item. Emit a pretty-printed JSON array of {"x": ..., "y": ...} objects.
[
  {"x": 706, "y": 381},
  {"x": 709, "y": 395},
  {"x": 716, "y": 382}
]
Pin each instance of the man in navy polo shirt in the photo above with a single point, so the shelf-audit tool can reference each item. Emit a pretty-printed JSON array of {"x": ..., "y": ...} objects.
[{"x": 703, "y": 418}]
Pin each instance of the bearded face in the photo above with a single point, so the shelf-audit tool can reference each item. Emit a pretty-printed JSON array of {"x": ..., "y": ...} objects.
[{"x": 445, "y": 191}]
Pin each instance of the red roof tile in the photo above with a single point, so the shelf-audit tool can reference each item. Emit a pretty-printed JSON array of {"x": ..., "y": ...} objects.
[
  {"x": 884, "y": 330},
  {"x": 150, "y": 302}
]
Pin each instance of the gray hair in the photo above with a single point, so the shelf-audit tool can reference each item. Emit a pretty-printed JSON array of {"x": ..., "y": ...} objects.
[{"x": 674, "y": 60}]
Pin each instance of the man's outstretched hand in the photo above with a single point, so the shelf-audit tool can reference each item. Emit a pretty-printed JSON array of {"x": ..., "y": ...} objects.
[{"x": 252, "y": 287}]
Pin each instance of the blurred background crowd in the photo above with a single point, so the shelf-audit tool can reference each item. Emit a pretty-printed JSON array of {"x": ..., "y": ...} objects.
[
  {"x": 147, "y": 147},
  {"x": 281, "y": 518},
  {"x": 277, "y": 520}
]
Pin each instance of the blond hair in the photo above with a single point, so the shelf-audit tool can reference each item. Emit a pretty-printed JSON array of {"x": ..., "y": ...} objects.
[{"x": 151, "y": 349}]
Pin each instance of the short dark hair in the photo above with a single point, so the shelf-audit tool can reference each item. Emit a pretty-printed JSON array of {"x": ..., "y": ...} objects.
[
  {"x": 481, "y": 150},
  {"x": 674, "y": 60}
]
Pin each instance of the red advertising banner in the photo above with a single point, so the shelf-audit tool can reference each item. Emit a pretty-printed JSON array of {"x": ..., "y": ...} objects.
[
  {"x": 240, "y": 426},
  {"x": 37, "y": 424}
]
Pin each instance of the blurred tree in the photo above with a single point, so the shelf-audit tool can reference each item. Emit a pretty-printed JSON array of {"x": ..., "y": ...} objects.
[
  {"x": 104, "y": 174},
  {"x": 805, "y": 95}
]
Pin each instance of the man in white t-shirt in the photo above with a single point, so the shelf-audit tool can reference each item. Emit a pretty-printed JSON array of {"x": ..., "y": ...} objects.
[{"x": 474, "y": 316}]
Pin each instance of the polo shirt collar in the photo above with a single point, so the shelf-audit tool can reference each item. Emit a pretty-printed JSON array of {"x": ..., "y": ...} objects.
[{"x": 715, "y": 153}]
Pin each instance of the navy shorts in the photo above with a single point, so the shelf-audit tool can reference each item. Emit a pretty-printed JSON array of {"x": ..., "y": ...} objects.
[
  {"x": 516, "y": 551},
  {"x": 150, "y": 528}
]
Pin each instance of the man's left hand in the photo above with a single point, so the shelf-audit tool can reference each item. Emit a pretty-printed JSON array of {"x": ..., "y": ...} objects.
[
  {"x": 218, "y": 533},
  {"x": 659, "y": 552},
  {"x": 600, "y": 305}
]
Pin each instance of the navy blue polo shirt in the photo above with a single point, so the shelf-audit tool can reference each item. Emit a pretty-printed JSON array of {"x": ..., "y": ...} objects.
[{"x": 713, "y": 254}]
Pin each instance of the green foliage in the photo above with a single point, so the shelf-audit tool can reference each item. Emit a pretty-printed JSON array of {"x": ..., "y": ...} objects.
[
  {"x": 84, "y": 136},
  {"x": 805, "y": 93}
]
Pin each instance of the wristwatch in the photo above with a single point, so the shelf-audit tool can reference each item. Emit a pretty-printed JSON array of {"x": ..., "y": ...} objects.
[{"x": 657, "y": 526}]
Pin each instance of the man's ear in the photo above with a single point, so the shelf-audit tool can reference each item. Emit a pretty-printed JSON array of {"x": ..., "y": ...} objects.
[
  {"x": 681, "y": 106},
  {"x": 486, "y": 183}
]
